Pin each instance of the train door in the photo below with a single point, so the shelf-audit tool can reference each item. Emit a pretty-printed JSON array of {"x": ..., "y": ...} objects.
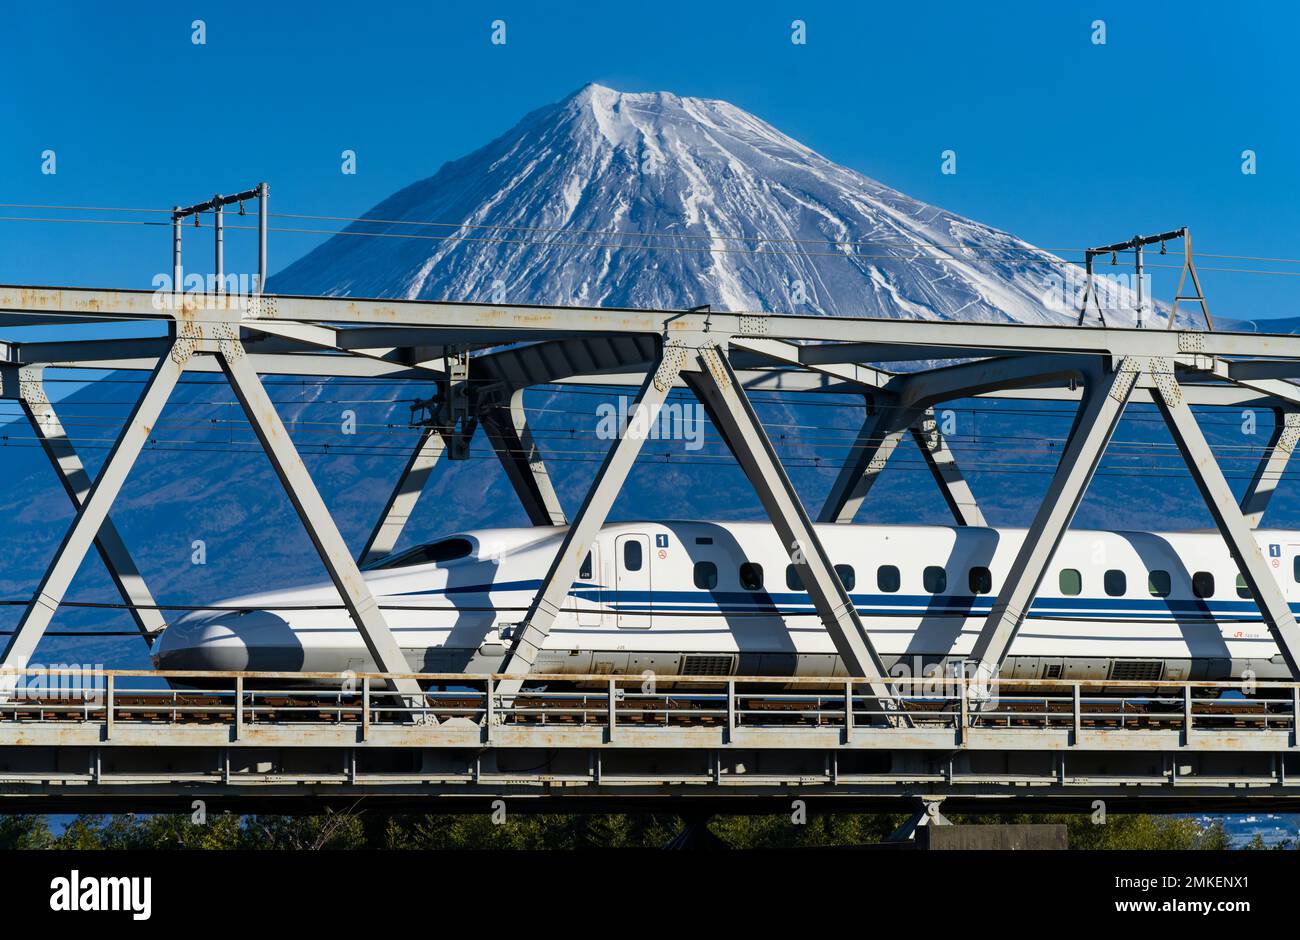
[
  {"x": 632, "y": 582},
  {"x": 1289, "y": 576}
]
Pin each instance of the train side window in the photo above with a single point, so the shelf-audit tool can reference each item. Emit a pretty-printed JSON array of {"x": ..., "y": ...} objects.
[
  {"x": 980, "y": 581},
  {"x": 1203, "y": 584},
  {"x": 706, "y": 575},
  {"x": 751, "y": 576},
  {"x": 1115, "y": 582},
  {"x": 1070, "y": 581},
  {"x": 934, "y": 579},
  {"x": 888, "y": 579},
  {"x": 632, "y": 555},
  {"x": 1243, "y": 590},
  {"x": 792, "y": 580},
  {"x": 848, "y": 577},
  {"x": 1295, "y": 568},
  {"x": 585, "y": 571},
  {"x": 1158, "y": 583}
]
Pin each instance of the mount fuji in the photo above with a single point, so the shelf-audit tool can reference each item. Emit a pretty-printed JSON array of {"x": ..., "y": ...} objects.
[{"x": 654, "y": 200}]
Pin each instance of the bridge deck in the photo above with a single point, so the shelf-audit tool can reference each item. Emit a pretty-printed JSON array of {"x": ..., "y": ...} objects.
[{"x": 121, "y": 734}]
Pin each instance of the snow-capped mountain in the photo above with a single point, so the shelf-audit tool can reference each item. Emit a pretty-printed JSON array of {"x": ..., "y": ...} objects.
[{"x": 654, "y": 200}]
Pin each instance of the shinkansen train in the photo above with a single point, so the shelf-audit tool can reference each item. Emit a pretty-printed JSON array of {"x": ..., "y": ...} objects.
[{"x": 721, "y": 598}]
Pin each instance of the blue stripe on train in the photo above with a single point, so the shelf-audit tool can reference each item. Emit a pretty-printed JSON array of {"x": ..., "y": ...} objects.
[{"x": 875, "y": 604}]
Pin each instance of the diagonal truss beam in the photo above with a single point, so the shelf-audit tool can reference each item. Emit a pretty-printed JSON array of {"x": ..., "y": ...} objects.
[
  {"x": 1227, "y": 515},
  {"x": 947, "y": 475},
  {"x": 512, "y": 440},
  {"x": 531, "y": 633},
  {"x": 93, "y": 513},
  {"x": 722, "y": 395},
  {"x": 77, "y": 483},
  {"x": 315, "y": 516},
  {"x": 877, "y": 440},
  {"x": 406, "y": 493},
  {"x": 1282, "y": 443},
  {"x": 1094, "y": 424}
]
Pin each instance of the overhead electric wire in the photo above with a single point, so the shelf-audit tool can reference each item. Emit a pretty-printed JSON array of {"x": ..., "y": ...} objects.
[{"x": 957, "y": 251}]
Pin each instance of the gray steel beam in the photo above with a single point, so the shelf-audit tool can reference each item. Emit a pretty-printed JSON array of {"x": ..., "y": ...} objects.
[
  {"x": 788, "y": 353},
  {"x": 1095, "y": 423},
  {"x": 315, "y": 516},
  {"x": 76, "y": 482},
  {"x": 876, "y": 441},
  {"x": 93, "y": 513},
  {"x": 1281, "y": 444},
  {"x": 507, "y": 322},
  {"x": 947, "y": 475},
  {"x": 718, "y": 388},
  {"x": 512, "y": 440},
  {"x": 406, "y": 493},
  {"x": 931, "y": 386},
  {"x": 578, "y": 538},
  {"x": 1227, "y": 515}
]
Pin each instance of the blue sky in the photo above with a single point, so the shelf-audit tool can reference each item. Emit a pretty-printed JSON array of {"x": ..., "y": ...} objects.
[{"x": 1061, "y": 141}]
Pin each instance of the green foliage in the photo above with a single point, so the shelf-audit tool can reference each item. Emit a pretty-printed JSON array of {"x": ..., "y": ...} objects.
[
  {"x": 359, "y": 828},
  {"x": 25, "y": 832}
]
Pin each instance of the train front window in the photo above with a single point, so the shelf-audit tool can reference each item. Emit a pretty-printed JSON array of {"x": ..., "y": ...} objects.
[{"x": 435, "y": 553}]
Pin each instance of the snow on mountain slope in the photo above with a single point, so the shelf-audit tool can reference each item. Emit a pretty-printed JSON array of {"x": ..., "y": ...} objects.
[{"x": 653, "y": 200}]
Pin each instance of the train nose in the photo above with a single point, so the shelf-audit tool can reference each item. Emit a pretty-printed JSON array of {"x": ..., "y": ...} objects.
[{"x": 203, "y": 640}]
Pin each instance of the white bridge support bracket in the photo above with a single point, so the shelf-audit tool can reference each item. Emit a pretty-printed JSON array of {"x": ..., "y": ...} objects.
[
  {"x": 581, "y": 534},
  {"x": 315, "y": 516},
  {"x": 1099, "y": 412},
  {"x": 507, "y": 429},
  {"x": 1281, "y": 445},
  {"x": 1232, "y": 523},
  {"x": 29, "y": 389},
  {"x": 93, "y": 512},
  {"x": 720, "y": 391},
  {"x": 406, "y": 493}
]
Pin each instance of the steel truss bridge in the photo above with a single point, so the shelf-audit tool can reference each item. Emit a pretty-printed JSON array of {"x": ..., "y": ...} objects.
[{"x": 890, "y": 747}]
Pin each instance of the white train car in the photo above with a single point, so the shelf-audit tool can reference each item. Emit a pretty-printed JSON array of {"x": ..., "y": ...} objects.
[{"x": 719, "y": 598}]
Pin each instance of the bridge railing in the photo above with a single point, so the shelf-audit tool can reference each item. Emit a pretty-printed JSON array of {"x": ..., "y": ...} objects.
[{"x": 733, "y": 702}]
